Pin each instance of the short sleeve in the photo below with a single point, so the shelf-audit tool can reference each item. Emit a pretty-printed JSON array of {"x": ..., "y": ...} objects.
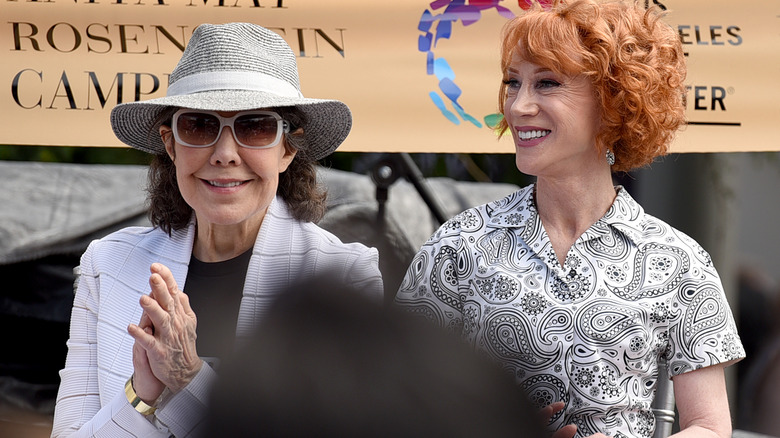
[{"x": 703, "y": 332}]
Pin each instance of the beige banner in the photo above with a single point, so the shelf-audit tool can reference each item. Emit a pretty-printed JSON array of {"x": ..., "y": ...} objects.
[{"x": 419, "y": 76}]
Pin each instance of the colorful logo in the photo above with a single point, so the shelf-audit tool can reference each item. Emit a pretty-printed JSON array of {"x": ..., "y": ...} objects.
[{"x": 436, "y": 24}]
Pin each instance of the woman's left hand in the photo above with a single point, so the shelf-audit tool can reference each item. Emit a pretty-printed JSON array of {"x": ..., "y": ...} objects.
[{"x": 170, "y": 348}]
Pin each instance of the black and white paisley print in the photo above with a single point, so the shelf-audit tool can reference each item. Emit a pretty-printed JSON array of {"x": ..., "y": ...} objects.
[{"x": 590, "y": 332}]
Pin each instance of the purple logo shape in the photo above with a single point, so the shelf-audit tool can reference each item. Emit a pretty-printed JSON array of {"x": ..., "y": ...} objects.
[{"x": 436, "y": 24}]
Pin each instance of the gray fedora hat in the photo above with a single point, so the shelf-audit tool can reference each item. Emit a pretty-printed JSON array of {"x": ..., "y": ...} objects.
[{"x": 234, "y": 67}]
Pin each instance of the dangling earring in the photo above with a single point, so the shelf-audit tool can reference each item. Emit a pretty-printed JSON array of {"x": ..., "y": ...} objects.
[{"x": 610, "y": 157}]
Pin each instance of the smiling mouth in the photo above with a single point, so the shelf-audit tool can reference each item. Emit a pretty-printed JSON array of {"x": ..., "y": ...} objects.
[
  {"x": 225, "y": 185},
  {"x": 532, "y": 135}
]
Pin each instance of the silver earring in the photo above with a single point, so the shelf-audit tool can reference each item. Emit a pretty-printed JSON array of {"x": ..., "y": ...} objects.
[{"x": 610, "y": 157}]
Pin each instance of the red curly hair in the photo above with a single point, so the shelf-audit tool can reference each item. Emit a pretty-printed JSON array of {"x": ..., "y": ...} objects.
[{"x": 635, "y": 62}]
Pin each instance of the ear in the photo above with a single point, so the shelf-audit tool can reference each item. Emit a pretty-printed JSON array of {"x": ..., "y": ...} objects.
[
  {"x": 286, "y": 158},
  {"x": 166, "y": 135}
]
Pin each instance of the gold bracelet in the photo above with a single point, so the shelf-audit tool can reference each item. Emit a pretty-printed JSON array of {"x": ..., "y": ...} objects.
[{"x": 138, "y": 404}]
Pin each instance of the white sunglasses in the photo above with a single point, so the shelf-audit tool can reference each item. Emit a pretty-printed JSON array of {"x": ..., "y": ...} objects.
[{"x": 251, "y": 129}]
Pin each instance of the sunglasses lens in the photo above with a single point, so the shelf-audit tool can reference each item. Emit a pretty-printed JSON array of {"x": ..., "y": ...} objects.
[
  {"x": 256, "y": 130},
  {"x": 197, "y": 129}
]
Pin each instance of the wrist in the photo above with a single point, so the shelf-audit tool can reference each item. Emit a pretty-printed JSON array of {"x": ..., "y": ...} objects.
[
  {"x": 186, "y": 377},
  {"x": 135, "y": 401}
]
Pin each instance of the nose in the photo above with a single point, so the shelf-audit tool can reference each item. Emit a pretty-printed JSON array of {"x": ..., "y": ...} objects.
[
  {"x": 524, "y": 103},
  {"x": 226, "y": 149}
]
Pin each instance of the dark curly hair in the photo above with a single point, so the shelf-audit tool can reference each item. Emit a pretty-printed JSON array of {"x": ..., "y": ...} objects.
[
  {"x": 298, "y": 185},
  {"x": 635, "y": 62}
]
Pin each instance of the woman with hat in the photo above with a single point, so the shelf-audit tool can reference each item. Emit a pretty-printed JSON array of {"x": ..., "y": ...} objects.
[
  {"x": 233, "y": 197},
  {"x": 568, "y": 283}
]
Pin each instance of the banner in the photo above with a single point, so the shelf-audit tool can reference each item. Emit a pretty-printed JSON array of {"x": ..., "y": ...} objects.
[{"x": 419, "y": 76}]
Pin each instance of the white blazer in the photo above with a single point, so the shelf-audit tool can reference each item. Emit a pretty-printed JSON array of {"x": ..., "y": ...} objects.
[{"x": 114, "y": 273}]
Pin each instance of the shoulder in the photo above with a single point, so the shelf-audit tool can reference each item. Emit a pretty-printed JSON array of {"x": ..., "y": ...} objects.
[
  {"x": 132, "y": 235},
  {"x": 658, "y": 235},
  {"x": 287, "y": 244},
  {"x": 512, "y": 211},
  {"x": 281, "y": 230},
  {"x": 125, "y": 239},
  {"x": 139, "y": 243},
  {"x": 648, "y": 232},
  {"x": 148, "y": 237},
  {"x": 655, "y": 230},
  {"x": 324, "y": 239}
]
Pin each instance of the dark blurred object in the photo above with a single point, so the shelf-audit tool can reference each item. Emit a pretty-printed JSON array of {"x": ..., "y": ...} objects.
[
  {"x": 758, "y": 307},
  {"x": 50, "y": 214},
  {"x": 759, "y": 373},
  {"x": 329, "y": 362},
  {"x": 35, "y": 305}
]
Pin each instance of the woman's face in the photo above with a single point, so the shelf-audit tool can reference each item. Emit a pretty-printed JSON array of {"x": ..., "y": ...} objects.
[
  {"x": 554, "y": 119},
  {"x": 226, "y": 184}
]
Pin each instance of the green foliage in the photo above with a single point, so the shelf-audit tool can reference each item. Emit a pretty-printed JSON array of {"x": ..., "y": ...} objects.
[
  {"x": 462, "y": 167},
  {"x": 72, "y": 154},
  {"x": 498, "y": 168}
]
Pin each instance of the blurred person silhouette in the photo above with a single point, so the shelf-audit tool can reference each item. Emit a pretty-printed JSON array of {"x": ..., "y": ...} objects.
[
  {"x": 568, "y": 282},
  {"x": 328, "y": 362},
  {"x": 233, "y": 199},
  {"x": 759, "y": 384}
]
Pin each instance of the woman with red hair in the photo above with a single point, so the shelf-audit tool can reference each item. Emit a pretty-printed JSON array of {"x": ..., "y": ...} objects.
[{"x": 568, "y": 283}]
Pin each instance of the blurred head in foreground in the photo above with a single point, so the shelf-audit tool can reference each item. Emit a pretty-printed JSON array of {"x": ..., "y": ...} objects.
[{"x": 328, "y": 362}]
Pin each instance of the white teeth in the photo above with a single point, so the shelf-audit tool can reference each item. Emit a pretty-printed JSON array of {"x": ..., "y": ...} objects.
[
  {"x": 530, "y": 135},
  {"x": 230, "y": 184}
]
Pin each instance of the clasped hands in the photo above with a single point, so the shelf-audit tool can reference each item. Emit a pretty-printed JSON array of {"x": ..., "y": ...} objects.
[{"x": 164, "y": 352}]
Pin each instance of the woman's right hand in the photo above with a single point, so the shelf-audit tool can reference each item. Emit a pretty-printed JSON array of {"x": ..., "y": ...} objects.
[
  {"x": 145, "y": 384},
  {"x": 547, "y": 413}
]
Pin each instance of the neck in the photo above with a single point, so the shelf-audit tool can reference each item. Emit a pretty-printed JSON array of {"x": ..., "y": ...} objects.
[
  {"x": 569, "y": 207},
  {"x": 216, "y": 243},
  {"x": 572, "y": 206}
]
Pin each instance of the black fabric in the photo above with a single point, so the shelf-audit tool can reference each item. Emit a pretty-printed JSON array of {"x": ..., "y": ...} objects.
[
  {"x": 35, "y": 305},
  {"x": 215, "y": 291}
]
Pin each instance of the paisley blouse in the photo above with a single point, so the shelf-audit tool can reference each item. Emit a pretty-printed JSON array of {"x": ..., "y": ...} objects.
[{"x": 591, "y": 333}]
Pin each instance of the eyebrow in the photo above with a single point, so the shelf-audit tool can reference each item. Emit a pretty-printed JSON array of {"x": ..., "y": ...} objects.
[{"x": 538, "y": 70}]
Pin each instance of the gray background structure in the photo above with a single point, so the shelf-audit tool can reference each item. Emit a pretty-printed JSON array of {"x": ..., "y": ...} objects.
[{"x": 50, "y": 212}]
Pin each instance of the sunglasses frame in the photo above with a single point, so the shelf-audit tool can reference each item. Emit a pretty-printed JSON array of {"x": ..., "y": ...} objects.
[{"x": 282, "y": 127}]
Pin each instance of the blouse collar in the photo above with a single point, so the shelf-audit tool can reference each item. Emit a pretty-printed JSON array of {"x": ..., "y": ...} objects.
[{"x": 518, "y": 210}]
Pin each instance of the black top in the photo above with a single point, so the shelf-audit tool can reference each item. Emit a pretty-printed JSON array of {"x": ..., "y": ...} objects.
[{"x": 215, "y": 291}]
